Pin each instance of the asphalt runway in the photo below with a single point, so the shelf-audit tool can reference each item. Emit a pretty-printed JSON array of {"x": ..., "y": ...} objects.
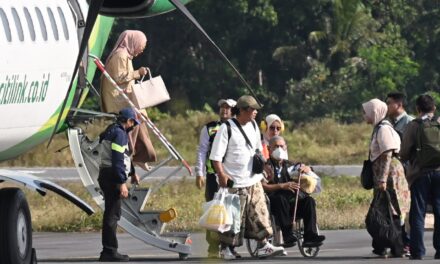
[{"x": 342, "y": 246}]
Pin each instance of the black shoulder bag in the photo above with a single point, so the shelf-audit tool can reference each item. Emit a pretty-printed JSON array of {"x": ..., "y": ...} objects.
[
  {"x": 258, "y": 160},
  {"x": 367, "y": 174}
]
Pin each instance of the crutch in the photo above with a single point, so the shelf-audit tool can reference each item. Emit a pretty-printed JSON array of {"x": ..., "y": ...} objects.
[{"x": 147, "y": 120}]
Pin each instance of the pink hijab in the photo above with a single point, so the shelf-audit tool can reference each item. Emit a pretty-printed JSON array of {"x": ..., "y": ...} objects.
[
  {"x": 131, "y": 41},
  {"x": 386, "y": 138},
  {"x": 375, "y": 110}
]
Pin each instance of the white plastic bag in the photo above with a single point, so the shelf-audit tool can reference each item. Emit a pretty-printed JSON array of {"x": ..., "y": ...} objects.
[
  {"x": 232, "y": 203},
  {"x": 215, "y": 215}
]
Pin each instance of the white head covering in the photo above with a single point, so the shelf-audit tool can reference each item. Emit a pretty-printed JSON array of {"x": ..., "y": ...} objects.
[{"x": 272, "y": 118}]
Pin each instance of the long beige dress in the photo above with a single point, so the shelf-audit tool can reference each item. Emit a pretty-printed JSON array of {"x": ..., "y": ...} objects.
[{"x": 120, "y": 68}]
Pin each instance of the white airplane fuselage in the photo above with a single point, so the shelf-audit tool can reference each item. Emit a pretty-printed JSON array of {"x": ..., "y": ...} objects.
[{"x": 38, "y": 46}]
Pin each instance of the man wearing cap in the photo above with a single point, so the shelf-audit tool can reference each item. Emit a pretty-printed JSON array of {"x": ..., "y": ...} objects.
[
  {"x": 115, "y": 167},
  {"x": 232, "y": 158},
  {"x": 204, "y": 166}
]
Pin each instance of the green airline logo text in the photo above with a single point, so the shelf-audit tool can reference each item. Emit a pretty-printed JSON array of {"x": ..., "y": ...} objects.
[{"x": 17, "y": 89}]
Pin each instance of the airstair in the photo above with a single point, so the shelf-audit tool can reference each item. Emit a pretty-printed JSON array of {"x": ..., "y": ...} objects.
[{"x": 147, "y": 226}]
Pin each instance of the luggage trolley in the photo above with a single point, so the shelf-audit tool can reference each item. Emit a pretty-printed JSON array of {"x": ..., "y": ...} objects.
[{"x": 146, "y": 226}]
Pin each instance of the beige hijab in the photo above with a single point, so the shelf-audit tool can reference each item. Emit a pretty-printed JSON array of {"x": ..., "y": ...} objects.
[
  {"x": 385, "y": 138},
  {"x": 131, "y": 41},
  {"x": 375, "y": 110}
]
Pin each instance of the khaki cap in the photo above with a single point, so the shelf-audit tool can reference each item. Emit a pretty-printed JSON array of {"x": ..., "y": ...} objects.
[{"x": 247, "y": 101}]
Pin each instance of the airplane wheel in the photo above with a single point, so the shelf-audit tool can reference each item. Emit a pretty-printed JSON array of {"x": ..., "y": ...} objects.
[
  {"x": 183, "y": 256},
  {"x": 15, "y": 227}
]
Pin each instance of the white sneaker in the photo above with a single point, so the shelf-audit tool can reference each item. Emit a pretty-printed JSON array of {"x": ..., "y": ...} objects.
[
  {"x": 226, "y": 254},
  {"x": 269, "y": 250}
]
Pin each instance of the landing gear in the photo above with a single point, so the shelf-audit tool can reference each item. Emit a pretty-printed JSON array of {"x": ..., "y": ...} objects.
[
  {"x": 183, "y": 256},
  {"x": 15, "y": 227}
]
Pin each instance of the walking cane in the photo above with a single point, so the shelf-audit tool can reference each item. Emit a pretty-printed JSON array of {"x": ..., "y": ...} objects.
[{"x": 296, "y": 199}]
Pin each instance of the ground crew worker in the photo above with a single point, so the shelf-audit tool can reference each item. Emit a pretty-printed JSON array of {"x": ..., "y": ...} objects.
[
  {"x": 204, "y": 165},
  {"x": 114, "y": 169}
]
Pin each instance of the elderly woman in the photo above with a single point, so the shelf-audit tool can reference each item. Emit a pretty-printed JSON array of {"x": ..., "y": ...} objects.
[
  {"x": 130, "y": 44},
  {"x": 388, "y": 171},
  {"x": 271, "y": 126}
]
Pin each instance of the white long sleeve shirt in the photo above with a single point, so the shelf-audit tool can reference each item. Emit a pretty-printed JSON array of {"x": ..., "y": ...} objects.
[{"x": 202, "y": 152}]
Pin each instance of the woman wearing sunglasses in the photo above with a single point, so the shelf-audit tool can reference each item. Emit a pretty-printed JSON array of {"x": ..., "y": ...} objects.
[{"x": 271, "y": 126}]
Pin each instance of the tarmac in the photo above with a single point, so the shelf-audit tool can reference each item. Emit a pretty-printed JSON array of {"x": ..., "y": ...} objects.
[{"x": 341, "y": 246}]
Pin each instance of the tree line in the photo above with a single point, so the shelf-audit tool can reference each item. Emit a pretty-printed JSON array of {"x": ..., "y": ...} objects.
[{"x": 305, "y": 59}]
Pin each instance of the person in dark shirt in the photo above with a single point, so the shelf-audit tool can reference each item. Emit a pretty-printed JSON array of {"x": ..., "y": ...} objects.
[
  {"x": 115, "y": 167},
  {"x": 282, "y": 190}
]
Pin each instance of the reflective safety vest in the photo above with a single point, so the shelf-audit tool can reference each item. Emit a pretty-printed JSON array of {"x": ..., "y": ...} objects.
[
  {"x": 212, "y": 128},
  {"x": 114, "y": 152}
]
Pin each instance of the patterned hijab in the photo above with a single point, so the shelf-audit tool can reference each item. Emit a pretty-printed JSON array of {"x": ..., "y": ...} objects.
[
  {"x": 131, "y": 41},
  {"x": 375, "y": 110}
]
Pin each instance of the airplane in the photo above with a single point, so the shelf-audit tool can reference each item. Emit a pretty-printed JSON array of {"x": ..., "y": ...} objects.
[{"x": 49, "y": 50}]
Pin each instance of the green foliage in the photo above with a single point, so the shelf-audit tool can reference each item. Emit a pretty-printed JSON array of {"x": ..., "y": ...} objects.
[
  {"x": 317, "y": 58},
  {"x": 389, "y": 68}
]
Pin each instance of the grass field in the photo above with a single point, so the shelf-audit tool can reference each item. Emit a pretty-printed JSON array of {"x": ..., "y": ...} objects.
[
  {"x": 321, "y": 142},
  {"x": 342, "y": 204}
]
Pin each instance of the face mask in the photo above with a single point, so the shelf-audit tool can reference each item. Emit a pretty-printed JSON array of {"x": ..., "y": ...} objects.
[
  {"x": 279, "y": 154},
  {"x": 130, "y": 129}
]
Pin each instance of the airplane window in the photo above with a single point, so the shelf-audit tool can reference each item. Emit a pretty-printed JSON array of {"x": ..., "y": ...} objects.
[
  {"x": 42, "y": 24},
  {"x": 63, "y": 22},
  {"x": 53, "y": 23},
  {"x": 30, "y": 23},
  {"x": 5, "y": 25},
  {"x": 18, "y": 24}
]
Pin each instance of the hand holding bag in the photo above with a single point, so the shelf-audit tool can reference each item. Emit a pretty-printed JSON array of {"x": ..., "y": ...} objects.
[{"x": 150, "y": 92}]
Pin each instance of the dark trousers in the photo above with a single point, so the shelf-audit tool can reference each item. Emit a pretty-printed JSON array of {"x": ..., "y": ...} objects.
[
  {"x": 210, "y": 189},
  {"x": 424, "y": 190},
  {"x": 112, "y": 211},
  {"x": 282, "y": 205}
]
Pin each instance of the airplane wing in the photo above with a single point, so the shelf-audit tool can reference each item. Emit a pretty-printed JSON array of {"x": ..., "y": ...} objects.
[{"x": 41, "y": 186}]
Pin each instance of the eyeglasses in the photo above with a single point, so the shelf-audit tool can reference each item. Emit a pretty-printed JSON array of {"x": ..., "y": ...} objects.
[{"x": 275, "y": 128}]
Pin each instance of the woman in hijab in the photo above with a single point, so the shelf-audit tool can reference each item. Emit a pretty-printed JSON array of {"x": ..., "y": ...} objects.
[
  {"x": 130, "y": 44},
  {"x": 271, "y": 126},
  {"x": 387, "y": 169}
]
